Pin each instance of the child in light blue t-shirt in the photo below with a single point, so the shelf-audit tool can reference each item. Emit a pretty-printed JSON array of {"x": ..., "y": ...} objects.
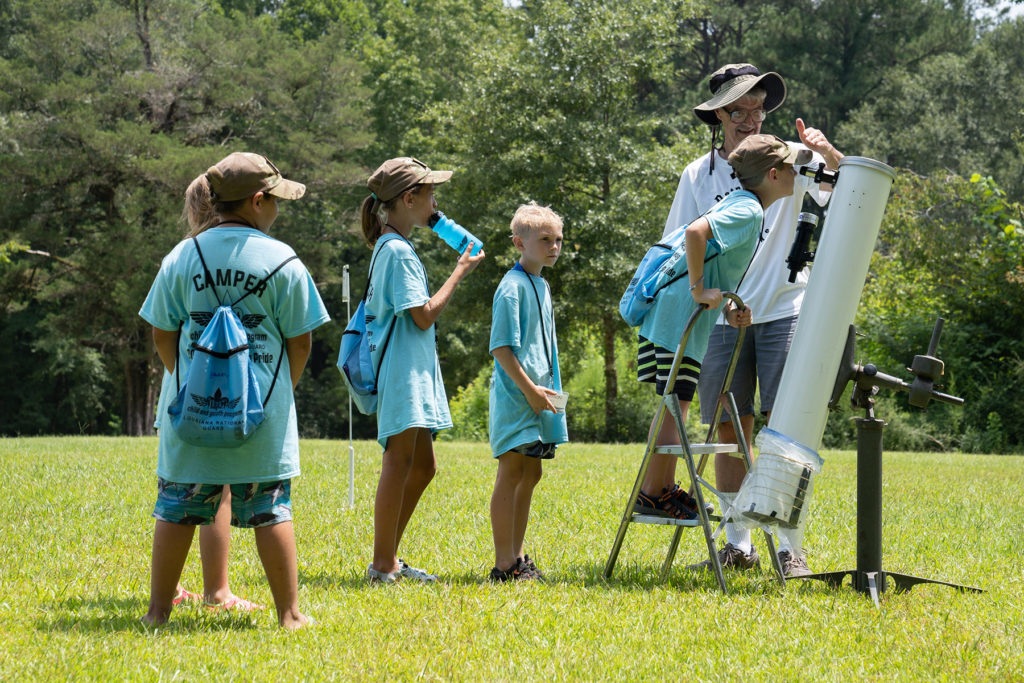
[
  {"x": 400, "y": 316},
  {"x": 719, "y": 246},
  {"x": 230, "y": 209},
  {"x": 525, "y": 426}
]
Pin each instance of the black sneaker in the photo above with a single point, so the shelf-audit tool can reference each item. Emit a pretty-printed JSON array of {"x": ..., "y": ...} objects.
[
  {"x": 667, "y": 505},
  {"x": 528, "y": 563},
  {"x": 517, "y": 572},
  {"x": 731, "y": 557},
  {"x": 793, "y": 565}
]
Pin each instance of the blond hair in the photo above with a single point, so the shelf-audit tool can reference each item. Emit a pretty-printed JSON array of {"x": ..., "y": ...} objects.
[
  {"x": 202, "y": 211},
  {"x": 532, "y": 216}
]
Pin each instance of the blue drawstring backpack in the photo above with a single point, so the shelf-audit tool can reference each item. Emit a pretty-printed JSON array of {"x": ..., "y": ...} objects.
[
  {"x": 663, "y": 264},
  {"x": 354, "y": 360},
  {"x": 219, "y": 405}
]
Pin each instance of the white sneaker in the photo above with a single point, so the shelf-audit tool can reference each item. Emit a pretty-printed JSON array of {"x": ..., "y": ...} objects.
[
  {"x": 415, "y": 574},
  {"x": 374, "y": 576}
]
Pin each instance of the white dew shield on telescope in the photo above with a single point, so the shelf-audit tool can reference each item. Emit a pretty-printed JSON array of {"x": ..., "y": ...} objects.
[{"x": 831, "y": 298}]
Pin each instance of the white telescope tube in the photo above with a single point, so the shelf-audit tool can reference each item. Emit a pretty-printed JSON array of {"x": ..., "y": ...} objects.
[{"x": 831, "y": 298}]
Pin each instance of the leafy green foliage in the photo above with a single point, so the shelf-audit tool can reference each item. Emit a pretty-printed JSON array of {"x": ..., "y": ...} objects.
[
  {"x": 954, "y": 248},
  {"x": 955, "y": 111},
  {"x": 110, "y": 111}
]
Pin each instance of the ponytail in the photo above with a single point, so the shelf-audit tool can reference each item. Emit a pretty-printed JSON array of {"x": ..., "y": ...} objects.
[
  {"x": 373, "y": 226},
  {"x": 199, "y": 211},
  {"x": 202, "y": 211}
]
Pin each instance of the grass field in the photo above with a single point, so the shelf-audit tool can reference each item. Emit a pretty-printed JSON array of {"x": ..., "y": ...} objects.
[{"x": 75, "y": 575}]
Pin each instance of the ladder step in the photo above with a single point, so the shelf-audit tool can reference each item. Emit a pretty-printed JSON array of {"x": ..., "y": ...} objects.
[
  {"x": 698, "y": 449},
  {"x": 667, "y": 521}
]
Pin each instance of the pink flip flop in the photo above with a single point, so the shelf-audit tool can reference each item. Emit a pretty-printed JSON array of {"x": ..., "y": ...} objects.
[
  {"x": 186, "y": 596},
  {"x": 234, "y": 603}
]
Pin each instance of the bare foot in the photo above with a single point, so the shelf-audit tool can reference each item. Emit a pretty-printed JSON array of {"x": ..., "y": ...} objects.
[
  {"x": 293, "y": 621},
  {"x": 154, "y": 618}
]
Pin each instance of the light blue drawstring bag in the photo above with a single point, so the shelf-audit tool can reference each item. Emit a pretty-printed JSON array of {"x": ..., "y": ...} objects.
[
  {"x": 219, "y": 406},
  {"x": 354, "y": 360}
]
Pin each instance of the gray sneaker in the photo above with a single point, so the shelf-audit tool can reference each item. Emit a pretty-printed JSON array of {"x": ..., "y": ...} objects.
[
  {"x": 793, "y": 565},
  {"x": 374, "y": 576},
  {"x": 730, "y": 557},
  {"x": 414, "y": 573}
]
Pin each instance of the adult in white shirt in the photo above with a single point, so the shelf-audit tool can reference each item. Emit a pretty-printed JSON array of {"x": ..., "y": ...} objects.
[{"x": 742, "y": 98}]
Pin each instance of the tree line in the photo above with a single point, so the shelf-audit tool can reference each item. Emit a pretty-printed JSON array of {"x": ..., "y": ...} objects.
[{"x": 108, "y": 108}]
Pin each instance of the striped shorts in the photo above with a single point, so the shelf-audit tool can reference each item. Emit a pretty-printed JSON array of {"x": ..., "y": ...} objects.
[{"x": 654, "y": 364}]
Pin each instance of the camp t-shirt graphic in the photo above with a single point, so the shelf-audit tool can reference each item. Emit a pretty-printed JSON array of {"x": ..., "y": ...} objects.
[{"x": 182, "y": 298}]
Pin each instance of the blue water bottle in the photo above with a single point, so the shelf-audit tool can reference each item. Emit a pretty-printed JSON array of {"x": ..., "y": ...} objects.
[{"x": 454, "y": 235}]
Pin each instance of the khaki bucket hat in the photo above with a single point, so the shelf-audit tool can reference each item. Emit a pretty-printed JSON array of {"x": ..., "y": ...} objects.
[
  {"x": 759, "y": 153},
  {"x": 243, "y": 174},
  {"x": 732, "y": 82},
  {"x": 395, "y": 176}
]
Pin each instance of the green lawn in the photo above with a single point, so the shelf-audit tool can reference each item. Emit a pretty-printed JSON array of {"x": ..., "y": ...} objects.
[{"x": 76, "y": 550}]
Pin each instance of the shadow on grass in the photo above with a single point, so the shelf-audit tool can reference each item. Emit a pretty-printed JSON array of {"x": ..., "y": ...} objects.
[
  {"x": 636, "y": 577},
  {"x": 108, "y": 615}
]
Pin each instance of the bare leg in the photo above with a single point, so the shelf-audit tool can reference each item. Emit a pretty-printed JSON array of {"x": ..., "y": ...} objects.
[
  {"x": 729, "y": 470},
  {"x": 214, "y": 544},
  {"x": 388, "y": 505},
  {"x": 503, "y": 501},
  {"x": 276, "y": 546},
  {"x": 532, "y": 472},
  {"x": 661, "y": 473},
  {"x": 170, "y": 548},
  {"x": 424, "y": 467}
]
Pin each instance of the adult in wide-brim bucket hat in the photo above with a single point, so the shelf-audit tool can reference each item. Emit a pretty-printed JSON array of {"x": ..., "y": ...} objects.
[{"x": 733, "y": 81}]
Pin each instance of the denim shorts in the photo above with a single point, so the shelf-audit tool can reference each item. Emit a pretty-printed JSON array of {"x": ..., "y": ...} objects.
[
  {"x": 252, "y": 505},
  {"x": 538, "y": 449},
  {"x": 762, "y": 357}
]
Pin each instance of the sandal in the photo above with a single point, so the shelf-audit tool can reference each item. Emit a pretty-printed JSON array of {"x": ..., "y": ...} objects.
[
  {"x": 185, "y": 596},
  {"x": 233, "y": 604}
]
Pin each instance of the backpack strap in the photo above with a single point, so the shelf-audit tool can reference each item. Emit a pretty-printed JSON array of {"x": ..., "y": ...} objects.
[
  {"x": 391, "y": 327},
  {"x": 260, "y": 284}
]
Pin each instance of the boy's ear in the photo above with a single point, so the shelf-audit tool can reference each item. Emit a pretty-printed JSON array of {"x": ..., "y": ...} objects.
[{"x": 518, "y": 242}]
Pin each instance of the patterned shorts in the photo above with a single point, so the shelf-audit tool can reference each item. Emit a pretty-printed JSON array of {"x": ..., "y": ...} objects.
[
  {"x": 654, "y": 364},
  {"x": 252, "y": 505}
]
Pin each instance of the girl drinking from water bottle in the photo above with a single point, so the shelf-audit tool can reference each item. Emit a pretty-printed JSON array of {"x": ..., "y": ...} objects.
[{"x": 411, "y": 402}]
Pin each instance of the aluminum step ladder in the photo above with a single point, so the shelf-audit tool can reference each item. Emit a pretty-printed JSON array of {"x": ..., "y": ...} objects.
[{"x": 687, "y": 451}]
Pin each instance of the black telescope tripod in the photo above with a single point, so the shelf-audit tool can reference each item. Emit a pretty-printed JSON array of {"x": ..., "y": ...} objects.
[{"x": 869, "y": 577}]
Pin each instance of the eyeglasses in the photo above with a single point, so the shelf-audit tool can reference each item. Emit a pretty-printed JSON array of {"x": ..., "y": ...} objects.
[{"x": 740, "y": 115}]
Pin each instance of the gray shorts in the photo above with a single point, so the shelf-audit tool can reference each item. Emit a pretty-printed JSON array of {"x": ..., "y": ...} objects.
[{"x": 761, "y": 360}]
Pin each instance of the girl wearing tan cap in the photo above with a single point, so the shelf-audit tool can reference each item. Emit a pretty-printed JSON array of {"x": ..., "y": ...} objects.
[
  {"x": 230, "y": 257},
  {"x": 411, "y": 401}
]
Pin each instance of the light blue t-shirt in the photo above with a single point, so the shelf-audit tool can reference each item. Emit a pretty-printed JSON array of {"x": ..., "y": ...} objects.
[
  {"x": 516, "y": 323},
  {"x": 735, "y": 226},
  {"x": 287, "y": 306},
  {"x": 410, "y": 391}
]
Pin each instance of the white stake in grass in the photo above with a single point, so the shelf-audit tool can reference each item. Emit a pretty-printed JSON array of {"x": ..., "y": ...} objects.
[{"x": 346, "y": 297}]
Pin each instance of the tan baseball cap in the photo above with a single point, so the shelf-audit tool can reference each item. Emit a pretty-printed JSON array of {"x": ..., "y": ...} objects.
[
  {"x": 732, "y": 82},
  {"x": 759, "y": 153},
  {"x": 243, "y": 174},
  {"x": 395, "y": 176}
]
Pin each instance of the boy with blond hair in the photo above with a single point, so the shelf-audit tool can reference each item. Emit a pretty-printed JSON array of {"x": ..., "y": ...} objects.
[{"x": 527, "y": 418}]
